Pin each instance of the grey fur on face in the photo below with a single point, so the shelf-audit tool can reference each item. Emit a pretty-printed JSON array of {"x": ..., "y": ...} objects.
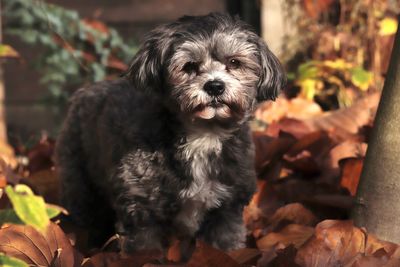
[{"x": 166, "y": 150}]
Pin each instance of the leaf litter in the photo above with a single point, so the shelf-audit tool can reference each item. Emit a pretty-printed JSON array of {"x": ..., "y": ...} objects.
[{"x": 308, "y": 164}]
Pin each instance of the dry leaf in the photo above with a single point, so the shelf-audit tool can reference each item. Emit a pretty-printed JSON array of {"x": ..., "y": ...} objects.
[
  {"x": 351, "y": 172},
  {"x": 51, "y": 248},
  {"x": 207, "y": 256},
  {"x": 292, "y": 234},
  {"x": 112, "y": 259},
  {"x": 245, "y": 256},
  {"x": 335, "y": 243},
  {"x": 294, "y": 213},
  {"x": 345, "y": 123}
]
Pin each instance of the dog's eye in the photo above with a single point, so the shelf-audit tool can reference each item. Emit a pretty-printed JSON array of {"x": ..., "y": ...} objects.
[
  {"x": 233, "y": 63},
  {"x": 191, "y": 67}
]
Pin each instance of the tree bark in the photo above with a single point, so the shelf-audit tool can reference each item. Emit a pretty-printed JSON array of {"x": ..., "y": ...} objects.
[
  {"x": 3, "y": 128},
  {"x": 377, "y": 206}
]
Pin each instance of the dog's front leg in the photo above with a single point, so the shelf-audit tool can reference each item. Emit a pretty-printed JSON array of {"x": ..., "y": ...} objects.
[
  {"x": 143, "y": 201},
  {"x": 224, "y": 228}
]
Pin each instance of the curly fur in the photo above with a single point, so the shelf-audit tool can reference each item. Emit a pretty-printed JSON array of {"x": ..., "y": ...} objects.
[{"x": 140, "y": 154}]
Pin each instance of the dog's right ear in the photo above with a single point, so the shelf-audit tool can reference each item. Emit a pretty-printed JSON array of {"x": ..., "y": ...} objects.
[{"x": 146, "y": 69}]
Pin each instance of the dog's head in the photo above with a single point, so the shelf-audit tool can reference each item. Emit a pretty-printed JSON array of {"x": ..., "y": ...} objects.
[{"x": 209, "y": 68}]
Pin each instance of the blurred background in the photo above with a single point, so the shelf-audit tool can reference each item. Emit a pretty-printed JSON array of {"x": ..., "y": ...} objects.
[{"x": 334, "y": 51}]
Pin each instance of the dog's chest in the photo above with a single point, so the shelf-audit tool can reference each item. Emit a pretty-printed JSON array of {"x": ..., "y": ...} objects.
[{"x": 205, "y": 192}]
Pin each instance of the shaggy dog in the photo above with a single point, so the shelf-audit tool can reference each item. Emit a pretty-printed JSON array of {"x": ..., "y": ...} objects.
[{"x": 166, "y": 150}]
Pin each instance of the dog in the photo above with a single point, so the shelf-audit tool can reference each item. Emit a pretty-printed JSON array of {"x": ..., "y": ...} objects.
[{"x": 166, "y": 149}]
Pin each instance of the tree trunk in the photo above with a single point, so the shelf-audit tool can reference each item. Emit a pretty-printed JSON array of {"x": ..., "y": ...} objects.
[
  {"x": 3, "y": 131},
  {"x": 377, "y": 206}
]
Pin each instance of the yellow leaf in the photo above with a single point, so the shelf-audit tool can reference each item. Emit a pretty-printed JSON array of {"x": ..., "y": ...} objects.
[
  {"x": 308, "y": 88},
  {"x": 387, "y": 26},
  {"x": 337, "y": 64},
  {"x": 7, "y": 51}
]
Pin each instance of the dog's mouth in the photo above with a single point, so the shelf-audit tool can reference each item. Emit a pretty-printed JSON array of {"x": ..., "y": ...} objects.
[{"x": 216, "y": 109}]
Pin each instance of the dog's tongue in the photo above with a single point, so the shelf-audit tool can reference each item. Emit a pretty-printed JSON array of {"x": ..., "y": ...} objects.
[{"x": 206, "y": 113}]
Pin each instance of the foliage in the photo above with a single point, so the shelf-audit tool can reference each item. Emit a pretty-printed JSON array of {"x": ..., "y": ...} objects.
[
  {"x": 356, "y": 36},
  {"x": 7, "y": 261},
  {"x": 73, "y": 50},
  {"x": 27, "y": 208},
  {"x": 7, "y": 51},
  {"x": 314, "y": 76}
]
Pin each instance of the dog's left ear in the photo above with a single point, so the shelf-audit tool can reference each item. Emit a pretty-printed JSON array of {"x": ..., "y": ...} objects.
[{"x": 273, "y": 77}]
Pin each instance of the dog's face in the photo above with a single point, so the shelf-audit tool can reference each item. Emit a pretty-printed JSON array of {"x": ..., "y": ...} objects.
[{"x": 210, "y": 69}]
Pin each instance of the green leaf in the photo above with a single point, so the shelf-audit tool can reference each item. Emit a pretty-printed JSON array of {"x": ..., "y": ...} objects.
[
  {"x": 361, "y": 78},
  {"x": 7, "y": 261},
  {"x": 53, "y": 211},
  {"x": 30, "y": 209},
  {"x": 10, "y": 216},
  {"x": 308, "y": 70}
]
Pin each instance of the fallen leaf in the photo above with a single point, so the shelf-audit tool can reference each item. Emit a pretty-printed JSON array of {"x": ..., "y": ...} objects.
[
  {"x": 113, "y": 259},
  {"x": 245, "y": 256},
  {"x": 345, "y": 123},
  {"x": 351, "y": 173},
  {"x": 207, "y": 256},
  {"x": 296, "y": 108},
  {"x": 45, "y": 183},
  {"x": 285, "y": 257},
  {"x": 335, "y": 243},
  {"x": 50, "y": 248},
  {"x": 292, "y": 234},
  {"x": 294, "y": 213},
  {"x": 40, "y": 156}
]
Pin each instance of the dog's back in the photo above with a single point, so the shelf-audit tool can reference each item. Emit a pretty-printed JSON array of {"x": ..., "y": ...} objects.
[{"x": 104, "y": 122}]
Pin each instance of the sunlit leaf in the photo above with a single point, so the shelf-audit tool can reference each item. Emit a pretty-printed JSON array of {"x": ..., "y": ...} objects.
[
  {"x": 339, "y": 64},
  {"x": 7, "y": 51},
  {"x": 30, "y": 209},
  {"x": 361, "y": 78},
  {"x": 7, "y": 261},
  {"x": 387, "y": 26},
  {"x": 308, "y": 88},
  {"x": 308, "y": 70}
]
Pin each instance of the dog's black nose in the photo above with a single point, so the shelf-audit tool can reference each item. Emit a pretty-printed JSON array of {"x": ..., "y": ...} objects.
[{"x": 214, "y": 88}]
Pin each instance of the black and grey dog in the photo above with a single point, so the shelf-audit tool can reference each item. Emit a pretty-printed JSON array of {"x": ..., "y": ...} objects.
[{"x": 166, "y": 150}]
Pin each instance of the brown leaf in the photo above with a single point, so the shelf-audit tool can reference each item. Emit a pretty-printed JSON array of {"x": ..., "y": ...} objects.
[
  {"x": 335, "y": 243},
  {"x": 47, "y": 184},
  {"x": 284, "y": 257},
  {"x": 295, "y": 108},
  {"x": 346, "y": 149},
  {"x": 112, "y": 259},
  {"x": 40, "y": 156},
  {"x": 294, "y": 213},
  {"x": 374, "y": 244},
  {"x": 207, "y": 256},
  {"x": 313, "y": 142},
  {"x": 315, "y": 7},
  {"x": 292, "y": 234},
  {"x": 51, "y": 248},
  {"x": 268, "y": 148},
  {"x": 296, "y": 128},
  {"x": 245, "y": 256},
  {"x": 351, "y": 172},
  {"x": 345, "y": 123}
]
